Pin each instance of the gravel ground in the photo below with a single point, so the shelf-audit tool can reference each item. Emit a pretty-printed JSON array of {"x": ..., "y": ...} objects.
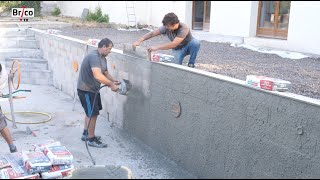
[{"x": 221, "y": 58}]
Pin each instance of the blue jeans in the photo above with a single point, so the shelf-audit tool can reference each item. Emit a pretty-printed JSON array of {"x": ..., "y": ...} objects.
[{"x": 191, "y": 49}]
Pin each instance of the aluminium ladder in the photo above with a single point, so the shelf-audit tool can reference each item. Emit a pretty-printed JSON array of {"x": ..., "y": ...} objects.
[{"x": 132, "y": 20}]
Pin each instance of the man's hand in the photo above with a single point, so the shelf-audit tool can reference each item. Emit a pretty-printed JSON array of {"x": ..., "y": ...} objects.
[
  {"x": 114, "y": 87},
  {"x": 152, "y": 48},
  {"x": 137, "y": 43},
  {"x": 117, "y": 82}
]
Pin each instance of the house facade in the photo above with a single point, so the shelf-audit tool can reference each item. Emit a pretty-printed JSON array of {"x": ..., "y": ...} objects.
[{"x": 285, "y": 25}]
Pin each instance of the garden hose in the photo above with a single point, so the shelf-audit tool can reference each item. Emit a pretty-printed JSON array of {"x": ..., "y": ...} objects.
[
  {"x": 15, "y": 70},
  {"x": 30, "y": 112},
  {"x": 20, "y": 90},
  {"x": 91, "y": 110},
  {"x": 125, "y": 86},
  {"x": 15, "y": 75}
]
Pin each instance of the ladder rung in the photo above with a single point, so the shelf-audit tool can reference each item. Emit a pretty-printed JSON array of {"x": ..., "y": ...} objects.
[{"x": 131, "y": 14}]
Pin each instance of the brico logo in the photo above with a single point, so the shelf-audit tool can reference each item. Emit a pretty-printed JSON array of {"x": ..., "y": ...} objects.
[{"x": 23, "y": 13}]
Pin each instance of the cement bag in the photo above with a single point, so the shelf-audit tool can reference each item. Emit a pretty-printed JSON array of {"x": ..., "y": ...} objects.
[
  {"x": 268, "y": 83},
  {"x": 4, "y": 163},
  {"x": 36, "y": 162},
  {"x": 42, "y": 145},
  {"x": 93, "y": 42},
  {"x": 57, "y": 171},
  {"x": 253, "y": 80},
  {"x": 16, "y": 161},
  {"x": 10, "y": 173},
  {"x": 58, "y": 155},
  {"x": 159, "y": 57}
]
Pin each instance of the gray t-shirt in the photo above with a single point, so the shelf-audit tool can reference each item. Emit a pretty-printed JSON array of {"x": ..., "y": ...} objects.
[
  {"x": 182, "y": 32},
  {"x": 86, "y": 81}
]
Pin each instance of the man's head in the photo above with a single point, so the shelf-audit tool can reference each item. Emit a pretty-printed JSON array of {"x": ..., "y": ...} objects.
[
  {"x": 105, "y": 46},
  {"x": 171, "y": 21}
]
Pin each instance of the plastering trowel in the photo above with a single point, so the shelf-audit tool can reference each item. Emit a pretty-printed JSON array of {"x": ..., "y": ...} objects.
[
  {"x": 29, "y": 131},
  {"x": 136, "y": 51},
  {"x": 143, "y": 53}
]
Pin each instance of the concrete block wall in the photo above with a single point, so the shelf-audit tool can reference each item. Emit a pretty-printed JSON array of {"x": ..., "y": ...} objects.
[
  {"x": 226, "y": 129},
  {"x": 60, "y": 54},
  {"x": 138, "y": 72}
]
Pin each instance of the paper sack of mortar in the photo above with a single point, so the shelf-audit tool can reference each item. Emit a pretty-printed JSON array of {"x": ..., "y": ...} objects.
[{"x": 268, "y": 83}]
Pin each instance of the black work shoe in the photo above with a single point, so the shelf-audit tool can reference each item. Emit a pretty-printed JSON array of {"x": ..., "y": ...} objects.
[
  {"x": 191, "y": 65},
  {"x": 13, "y": 150},
  {"x": 84, "y": 137},
  {"x": 97, "y": 143}
]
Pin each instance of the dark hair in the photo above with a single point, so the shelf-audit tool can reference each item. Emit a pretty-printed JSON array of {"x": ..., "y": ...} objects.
[
  {"x": 105, "y": 42},
  {"x": 170, "y": 19}
]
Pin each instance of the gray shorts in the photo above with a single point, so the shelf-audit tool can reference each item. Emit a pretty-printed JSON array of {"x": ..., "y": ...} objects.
[{"x": 3, "y": 121}]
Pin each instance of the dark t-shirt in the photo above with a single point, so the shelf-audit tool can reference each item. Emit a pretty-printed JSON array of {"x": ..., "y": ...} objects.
[
  {"x": 183, "y": 31},
  {"x": 86, "y": 81}
]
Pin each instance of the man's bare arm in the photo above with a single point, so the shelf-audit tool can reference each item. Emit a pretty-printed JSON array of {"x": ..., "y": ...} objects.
[
  {"x": 108, "y": 76},
  {"x": 147, "y": 36},
  {"x": 102, "y": 78},
  {"x": 170, "y": 45}
]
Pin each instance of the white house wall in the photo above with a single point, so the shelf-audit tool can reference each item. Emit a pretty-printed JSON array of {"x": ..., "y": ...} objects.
[
  {"x": 253, "y": 18},
  {"x": 230, "y": 17},
  {"x": 115, "y": 9},
  {"x": 75, "y": 8},
  {"x": 160, "y": 8},
  {"x": 304, "y": 26},
  {"x": 147, "y": 12}
]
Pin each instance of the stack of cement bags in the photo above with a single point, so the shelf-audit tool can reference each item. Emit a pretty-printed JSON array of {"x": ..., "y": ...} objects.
[
  {"x": 49, "y": 160},
  {"x": 13, "y": 167}
]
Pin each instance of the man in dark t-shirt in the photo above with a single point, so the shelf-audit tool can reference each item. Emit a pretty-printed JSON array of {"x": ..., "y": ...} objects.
[
  {"x": 93, "y": 73},
  {"x": 182, "y": 43}
]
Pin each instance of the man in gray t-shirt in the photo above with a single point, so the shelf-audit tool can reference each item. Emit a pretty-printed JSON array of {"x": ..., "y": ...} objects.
[
  {"x": 182, "y": 43},
  {"x": 93, "y": 73},
  {"x": 87, "y": 81}
]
